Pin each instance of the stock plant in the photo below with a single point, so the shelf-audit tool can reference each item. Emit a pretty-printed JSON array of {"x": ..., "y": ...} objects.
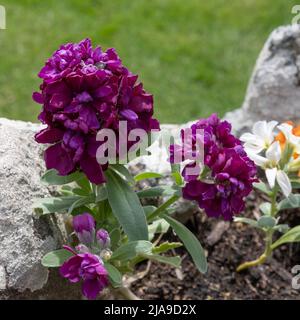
[
  {"x": 84, "y": 91},
  {"x": 275, "y": 149}
]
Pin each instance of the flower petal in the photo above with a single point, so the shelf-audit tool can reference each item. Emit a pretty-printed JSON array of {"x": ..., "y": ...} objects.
[
  {"x": 274, "y": 152},
  {"x": 284, "y": 182},
  {"x": 271, "y": 176},
  {"x": 91, "y": 288}
]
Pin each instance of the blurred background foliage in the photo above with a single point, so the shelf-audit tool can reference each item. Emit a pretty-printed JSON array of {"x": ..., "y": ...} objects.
[{"x": 195, "y": 56}]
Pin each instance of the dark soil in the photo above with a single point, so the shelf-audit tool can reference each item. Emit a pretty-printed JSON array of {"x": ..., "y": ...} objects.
[{"x": 237, "y": 244}]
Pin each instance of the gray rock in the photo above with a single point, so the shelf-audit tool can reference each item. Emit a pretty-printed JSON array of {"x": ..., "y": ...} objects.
[
  {"x": 24, "y": 238},
  {"x": 274, "y": 88}
]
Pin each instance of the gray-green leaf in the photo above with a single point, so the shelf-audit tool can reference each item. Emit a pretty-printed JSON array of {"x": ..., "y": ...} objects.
[
  {"x": 56, "y": 258},
  {"x": 114, "y": 275},
  {"x": 191, "y": 243},
  {"x": 131, "y": 250},
  {"x": 147, "y": 175},
  {"x": 293, "y": 235},
  {"x": 266, "y": 222},
  {"x": 173, "y": 261},
  {"x": 126, "y": 207},
  {"x": 51, "y": 177},
  {"x": 290, "y": 204},
  {"x": 54, "y": 204}
]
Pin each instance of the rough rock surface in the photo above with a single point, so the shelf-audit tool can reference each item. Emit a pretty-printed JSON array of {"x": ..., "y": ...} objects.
[
  {"x": 24, "y": 238},
  {"x": 274, "y": 88}
]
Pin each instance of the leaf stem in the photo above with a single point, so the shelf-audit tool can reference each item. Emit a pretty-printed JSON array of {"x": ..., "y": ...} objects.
[{"x": 162, "y": 208}]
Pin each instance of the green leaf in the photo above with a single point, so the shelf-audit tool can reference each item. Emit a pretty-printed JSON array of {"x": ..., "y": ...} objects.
[
  {"x": 81, "y": 210},
  {"x": 177, "y": 178},
  {"x": 293, "y": 235},
  {"x": 56, "y": 258},
  {"x": 80, "y": 192},
  {"x": 288, "y": 204},
  {"x": 81, "y": 202},
  {"x": 166, "y": 246},
  {"x": 173, "y": 261},
  {"x": 265, "y": 208},
  {"x": 114, "y": 275},
  {"x": 123, "y": 172},
  {"x": 266, "y": 222},
  {"x": 283, "y": 228},
  {"x": 101, "y": 193},
  {"x": 147, "y": 175},
  {"x": 261, "y": 186},
  {"x": 295, "y": 183},
  {"x": 158, "y": 226},
  {"x": 115, "y": 237},
  {"x": 131, "y": 250},
  {"x": 251, "y": 222},
  {"x": 126, "y": 207},
  {"x": 149, "y": 209},
  {"x": 51, "y": 177},
  {"x": 54, "y": 204},
  {"x": 84, "y": 184},
  {"x": 157, "y": 192},
  {"x": 175, "y": 169},
  {"x": 191, "y": 243}
]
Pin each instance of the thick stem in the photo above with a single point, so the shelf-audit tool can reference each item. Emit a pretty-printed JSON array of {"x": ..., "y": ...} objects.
[
  {"x": 253, "y": 263},
  {"x": 268, "y": 239}
]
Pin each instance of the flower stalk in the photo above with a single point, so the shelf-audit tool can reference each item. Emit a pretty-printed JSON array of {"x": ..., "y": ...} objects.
[{"x": 268, "y": 239}]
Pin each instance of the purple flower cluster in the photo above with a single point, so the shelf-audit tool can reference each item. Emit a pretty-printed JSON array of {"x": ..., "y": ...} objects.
[
  {"x": 85, "y": 90},
  {"x": 89, "y": 268},
  {"x": 85, "y": 265},
  {"x": 229, "y": 172}
]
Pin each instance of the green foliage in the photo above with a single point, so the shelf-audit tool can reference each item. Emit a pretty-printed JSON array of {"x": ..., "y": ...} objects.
[
  {"x": 51, "y": 177},
  {"x": 131, "y": 250},
  {"x": 146, "y": 175},
  {"x": 290, "y": 203},
  {"x": 114, "y": 275},
  {"x": 126, "y": 207},
  {"x": 293, "y": 235},
  {"x": 56, "y": 258},
  {"x": 190, "y": 242}
]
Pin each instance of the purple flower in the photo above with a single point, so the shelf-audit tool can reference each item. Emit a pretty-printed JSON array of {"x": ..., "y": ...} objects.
[
  {"x": 103, "y": 238},
  {"x": 85, "y": 90},
  {"x": 87, "y": 267},
  {"x": 84, "y": 227},
  {"x": 229, "y": 172}
]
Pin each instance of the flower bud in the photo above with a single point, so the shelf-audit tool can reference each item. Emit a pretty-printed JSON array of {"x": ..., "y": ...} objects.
[
  {"x": 103, "y": 238},
  {"x": 81, "y": 248},
  {"x": 84, "y": 227},
  {"x": 105, "y": 254}
]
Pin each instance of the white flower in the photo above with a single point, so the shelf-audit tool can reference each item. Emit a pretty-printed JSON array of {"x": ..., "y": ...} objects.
[
  {"x": 287, "y": 130},
  {"x": 270, "y": 164},
  {"x": 261, "y": 137}
]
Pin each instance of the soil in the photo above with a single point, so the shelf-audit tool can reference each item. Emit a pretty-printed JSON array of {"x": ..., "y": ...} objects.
[{"x": 226, "y": 247}]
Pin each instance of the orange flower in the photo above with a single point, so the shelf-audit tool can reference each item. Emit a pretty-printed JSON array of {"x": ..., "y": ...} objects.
[
  {"x": 281, "y": 137},
  {"x": 282, "y": 140}
]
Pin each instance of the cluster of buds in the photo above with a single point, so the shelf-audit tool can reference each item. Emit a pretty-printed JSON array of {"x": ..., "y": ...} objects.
[
  {"x": 275, "y": 148},
  {"x": 90, "y": 240}
]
